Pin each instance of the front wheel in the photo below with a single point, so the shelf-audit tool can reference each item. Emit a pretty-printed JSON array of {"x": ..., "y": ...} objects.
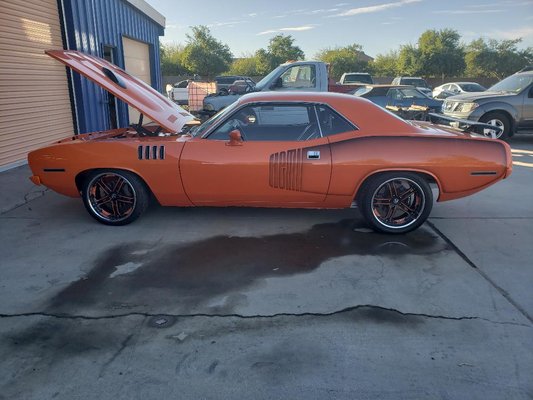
[
  {"x": 114, "y": 197},
  {"x": 501, "y": 121},
  {"x": 395, "y": 202}
]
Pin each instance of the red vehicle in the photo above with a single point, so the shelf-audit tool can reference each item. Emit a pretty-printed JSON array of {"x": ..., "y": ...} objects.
[{"x": 298, "y": 150}]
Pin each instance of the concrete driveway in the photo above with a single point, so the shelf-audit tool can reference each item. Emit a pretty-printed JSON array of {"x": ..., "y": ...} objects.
[{"x": 269, "y": 304}]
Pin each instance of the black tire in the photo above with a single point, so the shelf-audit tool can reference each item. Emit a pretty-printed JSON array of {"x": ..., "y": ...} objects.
[
  {"x": 395, "y": 202},
  {"x": 499, "y": 119},
  {"x": 114, "y": 197}
]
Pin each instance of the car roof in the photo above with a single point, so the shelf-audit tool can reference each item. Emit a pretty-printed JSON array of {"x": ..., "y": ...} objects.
[
  {"x": 293, "y": 96},
  {"x": 362, "y": 112},
  {"x": 524, "y": 73},
  {"x": 461, "y": 83},
  {"x": 388, "y": 85}
]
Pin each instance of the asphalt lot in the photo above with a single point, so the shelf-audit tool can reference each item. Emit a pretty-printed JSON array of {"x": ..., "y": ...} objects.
[{"x": 270, "y": 304}]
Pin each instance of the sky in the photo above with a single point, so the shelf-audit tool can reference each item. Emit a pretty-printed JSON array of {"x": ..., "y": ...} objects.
[{"x": 378, "y": 25}]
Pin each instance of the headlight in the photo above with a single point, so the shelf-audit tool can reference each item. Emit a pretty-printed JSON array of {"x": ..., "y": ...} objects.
[
  {"x": 209, "y": 107},
  {"x": 467, "y": 107}
]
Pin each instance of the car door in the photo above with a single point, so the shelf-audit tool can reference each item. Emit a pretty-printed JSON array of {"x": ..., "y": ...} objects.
[
  {"x": 527, "y": 109},
  {"x": 298, "y": 78},
  {"x": 282, "y": 159}
]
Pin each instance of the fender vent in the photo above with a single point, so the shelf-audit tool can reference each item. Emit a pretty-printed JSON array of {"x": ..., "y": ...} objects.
[{"x": 151, "y": 152}]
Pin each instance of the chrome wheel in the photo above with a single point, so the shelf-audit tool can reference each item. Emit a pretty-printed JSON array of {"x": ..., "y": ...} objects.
[
  {"x": 398, "y": 203},
  {"x": 494, "y": 134},
  {"x": 111, "y": 197}
]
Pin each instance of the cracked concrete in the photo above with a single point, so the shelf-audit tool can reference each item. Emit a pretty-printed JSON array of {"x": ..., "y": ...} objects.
[
  {"x": 268, "y": 303},
  {"x": 263, "y": 316}
]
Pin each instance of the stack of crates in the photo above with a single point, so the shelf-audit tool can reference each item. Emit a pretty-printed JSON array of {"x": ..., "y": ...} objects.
[{"x": 197, "y": 91}]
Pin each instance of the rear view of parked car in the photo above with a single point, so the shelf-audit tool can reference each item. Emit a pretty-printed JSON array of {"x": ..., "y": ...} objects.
[{"x": 455, "y": 88}]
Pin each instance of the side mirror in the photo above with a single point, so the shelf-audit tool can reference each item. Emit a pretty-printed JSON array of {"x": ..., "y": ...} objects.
[
  {"x": 235, "y": 138},
  {"x": 278, "y": 83}
]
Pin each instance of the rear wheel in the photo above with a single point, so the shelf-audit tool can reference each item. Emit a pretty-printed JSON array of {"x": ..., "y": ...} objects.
[
  {"x": 501, "y": 121},
  {"x": 395, "y": 202},
  {"x": 114, "y": 197}
]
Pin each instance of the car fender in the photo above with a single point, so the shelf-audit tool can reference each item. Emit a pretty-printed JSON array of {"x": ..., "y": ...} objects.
[
  {"x": 383, "y": 170},
  {"x": 492, "y": 106}
]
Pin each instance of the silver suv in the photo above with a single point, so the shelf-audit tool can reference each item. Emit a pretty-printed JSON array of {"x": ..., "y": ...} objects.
[{"x": 508, "y": 105}]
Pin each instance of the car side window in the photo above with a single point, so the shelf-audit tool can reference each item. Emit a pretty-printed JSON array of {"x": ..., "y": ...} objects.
[
  {"x": 271, "y": 122},
  {"x": 299, "y": 77},
  {"x": 332, "y": 123}
]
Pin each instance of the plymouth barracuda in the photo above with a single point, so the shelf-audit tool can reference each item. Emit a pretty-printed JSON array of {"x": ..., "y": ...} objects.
[{"x": 293, "y": 149}]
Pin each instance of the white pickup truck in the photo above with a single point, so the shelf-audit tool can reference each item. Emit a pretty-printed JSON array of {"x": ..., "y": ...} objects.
[
  {"x": 308, "y": 76},
  {"x": 179, "y": 92}
]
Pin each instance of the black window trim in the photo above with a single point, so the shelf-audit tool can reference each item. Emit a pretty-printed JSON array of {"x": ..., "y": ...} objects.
[
  {"x": 354, "y": 126},
  {"x": 314, "y": 104}
]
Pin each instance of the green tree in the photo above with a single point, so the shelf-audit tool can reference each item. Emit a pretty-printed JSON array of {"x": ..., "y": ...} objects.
[
  {"x": 171, "y": 59},
  {"x": 246, "y": 65},
  {"x": 344, "y": 59},
  {"x": 205, "y": 55},
  {"x": 280, "y": 49},
  {"x": 441, "y": 53},
  {"x": 496, "y": 59},
  {"x": 385, "y": 64},
  {"x": 409, "y": 61}
]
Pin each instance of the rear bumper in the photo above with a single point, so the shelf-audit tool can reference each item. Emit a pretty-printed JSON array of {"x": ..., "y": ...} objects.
[{"x": 509, "y": 156}]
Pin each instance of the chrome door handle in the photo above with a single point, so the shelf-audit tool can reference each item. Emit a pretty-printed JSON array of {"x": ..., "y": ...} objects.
[{"x": 313, "y": 155}]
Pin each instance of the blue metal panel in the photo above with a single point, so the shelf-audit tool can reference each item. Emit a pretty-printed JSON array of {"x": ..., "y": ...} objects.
[{"x": 91, "y": 24}]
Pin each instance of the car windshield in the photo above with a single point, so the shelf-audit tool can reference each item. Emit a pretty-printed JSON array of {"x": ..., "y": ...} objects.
[
  {"x": 263, "y": 82},
  {"x": 199, "y": 130},
  {"x": 362, "y": 78},
  {"x": 419, "y": 82},
  {"x": 472, "y": 87},
  {"x": 513, "y": 84}
]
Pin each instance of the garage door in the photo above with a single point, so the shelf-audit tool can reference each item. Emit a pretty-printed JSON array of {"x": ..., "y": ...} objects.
[
  {"x": 137, "y": 63},
  {"x": 35, "y": 105}
]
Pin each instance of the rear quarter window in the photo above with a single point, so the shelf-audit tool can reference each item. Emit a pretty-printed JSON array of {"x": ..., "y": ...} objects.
[{"x": 331, "y": 122}]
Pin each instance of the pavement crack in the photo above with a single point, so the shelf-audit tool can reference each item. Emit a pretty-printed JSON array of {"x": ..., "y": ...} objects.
[
  {"x": 262, "y": 316},
  {"x": 123, "y": 345},
  {"x": 466, "y": 259},
  {"x": 28, "y": 197}
]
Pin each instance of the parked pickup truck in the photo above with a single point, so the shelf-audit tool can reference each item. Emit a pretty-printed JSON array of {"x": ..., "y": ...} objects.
[
  {"x": 308, "y": 76},
  {"x": 179, "y": 92},
  {"x": 356, "y": 77}
]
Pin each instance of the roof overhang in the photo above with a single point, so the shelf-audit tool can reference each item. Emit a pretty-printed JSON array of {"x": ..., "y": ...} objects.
[{"x": 149, "y": 11}]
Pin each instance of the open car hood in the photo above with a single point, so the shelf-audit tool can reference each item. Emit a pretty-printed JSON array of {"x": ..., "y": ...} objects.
[{"x": 131, "y": 90}]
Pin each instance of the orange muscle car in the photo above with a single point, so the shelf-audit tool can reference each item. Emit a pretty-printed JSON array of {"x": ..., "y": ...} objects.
[{"x": 301, "y": 150}]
